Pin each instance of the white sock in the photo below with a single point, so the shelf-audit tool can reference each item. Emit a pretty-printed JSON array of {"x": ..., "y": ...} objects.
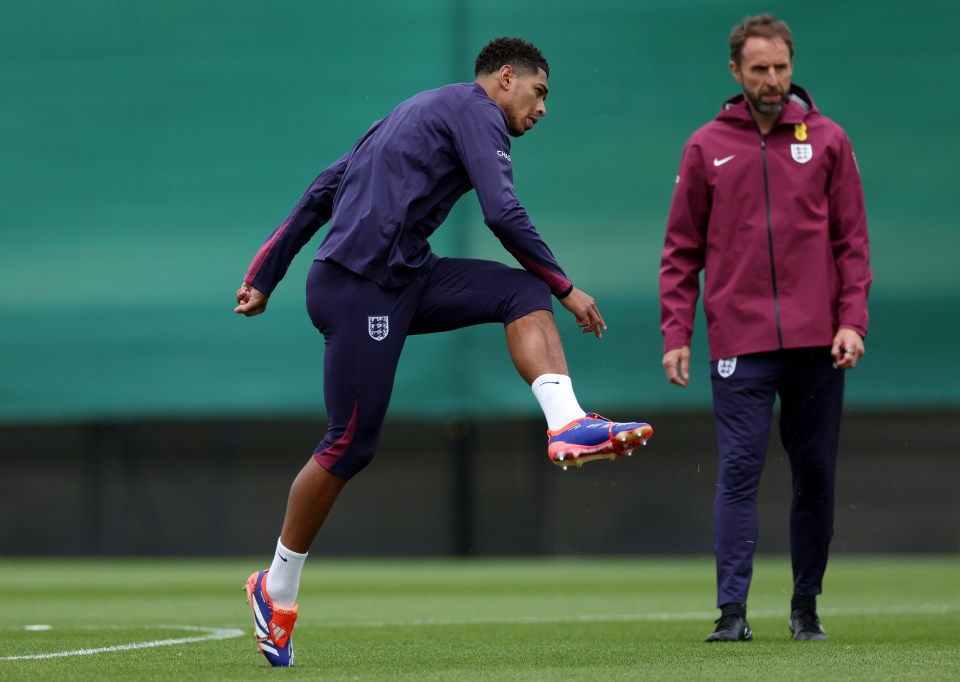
[
  {"x": 283, "y": 579},
  {"x": 554, "y": 392}
]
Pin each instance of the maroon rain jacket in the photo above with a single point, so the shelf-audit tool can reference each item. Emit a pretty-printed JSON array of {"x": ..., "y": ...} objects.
[{"x": 777, "y": 224}]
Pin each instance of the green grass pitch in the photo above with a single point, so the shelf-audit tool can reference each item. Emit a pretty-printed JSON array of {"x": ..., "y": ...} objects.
[{"x": 481, "y": 619}]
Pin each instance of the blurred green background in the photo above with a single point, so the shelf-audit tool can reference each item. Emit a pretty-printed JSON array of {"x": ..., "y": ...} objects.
[{"x": 149, "y": 148}]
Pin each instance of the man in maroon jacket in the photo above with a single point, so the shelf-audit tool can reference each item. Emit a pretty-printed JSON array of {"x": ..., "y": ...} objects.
[{"x": 768, "y": 204}]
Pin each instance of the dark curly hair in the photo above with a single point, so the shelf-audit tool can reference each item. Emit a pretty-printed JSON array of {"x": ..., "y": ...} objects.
[
  {"x": 519, "y": 54},
  {"x": 763, "y": 26}
]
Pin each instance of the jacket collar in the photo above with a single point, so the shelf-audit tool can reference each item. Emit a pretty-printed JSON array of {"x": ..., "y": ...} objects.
[{"x": 799, "y": 106}]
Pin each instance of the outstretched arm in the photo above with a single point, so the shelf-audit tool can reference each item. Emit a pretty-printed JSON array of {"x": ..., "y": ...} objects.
[{"x": 313, "y": 210}]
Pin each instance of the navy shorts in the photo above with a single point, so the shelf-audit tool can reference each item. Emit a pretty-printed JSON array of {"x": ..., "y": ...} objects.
[{"x": 365, "y": 326}]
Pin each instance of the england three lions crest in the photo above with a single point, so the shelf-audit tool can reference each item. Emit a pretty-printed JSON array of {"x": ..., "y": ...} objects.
[
  {"x": 726, "y": 367},
  {"x": 801, "y": 153},
  {"x": 378, "y": 327}
]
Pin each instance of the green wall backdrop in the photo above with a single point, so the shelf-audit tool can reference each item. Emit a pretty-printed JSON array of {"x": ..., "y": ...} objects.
[{"x": 149, "y": 148}]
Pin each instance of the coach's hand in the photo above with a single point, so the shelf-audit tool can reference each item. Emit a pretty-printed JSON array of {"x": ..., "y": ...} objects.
[
  {"x": 584, "y": 308},
  {"x": 252, "y": 301},
  {"x": 847, "y": 348},
  {"x": 676, "y": 363}
]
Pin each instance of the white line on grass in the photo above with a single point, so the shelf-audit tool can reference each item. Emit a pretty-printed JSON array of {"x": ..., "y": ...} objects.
[
  {"x": 631, "y": 617},
  {"x": 230, "y": 633},
  {"x": 211, "y": 634}
]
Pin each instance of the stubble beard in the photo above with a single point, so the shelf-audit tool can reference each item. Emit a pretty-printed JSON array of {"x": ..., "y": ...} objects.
[
  {"x": 769, "y": 108},
  {"x": 515, "y": 130}
]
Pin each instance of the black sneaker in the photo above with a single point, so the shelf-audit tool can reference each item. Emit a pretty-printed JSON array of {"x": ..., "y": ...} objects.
[
  {"x": 731, "y": 628},
  {"x": 804, "y": 625}
]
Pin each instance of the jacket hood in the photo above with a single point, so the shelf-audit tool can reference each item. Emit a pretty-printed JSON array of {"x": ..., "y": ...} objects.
[{"x": 799, "y": 105}]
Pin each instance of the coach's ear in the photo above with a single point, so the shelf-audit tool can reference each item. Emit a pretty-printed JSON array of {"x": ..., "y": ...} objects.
[{"x": 735, "y": 70}]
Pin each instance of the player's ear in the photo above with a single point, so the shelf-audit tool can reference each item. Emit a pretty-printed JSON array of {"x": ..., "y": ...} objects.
[{"x": 507, "y": 76}]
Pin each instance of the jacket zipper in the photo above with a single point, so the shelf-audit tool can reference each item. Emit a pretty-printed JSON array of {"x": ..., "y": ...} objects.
[{"x": 773, "y": 265}]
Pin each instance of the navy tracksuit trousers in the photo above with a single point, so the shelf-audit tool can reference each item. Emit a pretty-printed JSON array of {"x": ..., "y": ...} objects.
[{"x": 810, "y": 388}]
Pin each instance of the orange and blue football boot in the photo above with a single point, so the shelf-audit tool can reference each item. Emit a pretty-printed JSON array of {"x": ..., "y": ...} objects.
[
  {"x": 594, "y": 437},
  {"x": 272, "y": 625}
]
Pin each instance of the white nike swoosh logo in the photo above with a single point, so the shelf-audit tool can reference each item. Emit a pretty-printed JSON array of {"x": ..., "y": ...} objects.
[{"x": 720, "y": 162}]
